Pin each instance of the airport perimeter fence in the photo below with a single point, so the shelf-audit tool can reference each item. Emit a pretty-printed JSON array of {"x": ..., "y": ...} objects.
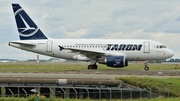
[{"x": 96, "y": 92}]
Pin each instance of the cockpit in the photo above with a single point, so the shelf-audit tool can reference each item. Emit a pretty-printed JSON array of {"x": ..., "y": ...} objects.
[{"x": 160, "y": 46}]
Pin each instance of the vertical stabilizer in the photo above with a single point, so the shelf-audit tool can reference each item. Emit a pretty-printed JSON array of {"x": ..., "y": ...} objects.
[{"x": 27, "y": 29}]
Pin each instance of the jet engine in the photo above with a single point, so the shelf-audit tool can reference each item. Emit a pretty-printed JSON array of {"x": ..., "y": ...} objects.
[{"x": 114, "y": 61}]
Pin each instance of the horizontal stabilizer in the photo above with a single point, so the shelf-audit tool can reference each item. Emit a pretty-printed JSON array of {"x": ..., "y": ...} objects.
[{"x": 22, "y": 43}]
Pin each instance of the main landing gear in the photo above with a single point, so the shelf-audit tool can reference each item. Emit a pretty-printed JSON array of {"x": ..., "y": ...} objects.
[
  {"x": 146, "y": 68},
  {"x": 94, "y": 66}
]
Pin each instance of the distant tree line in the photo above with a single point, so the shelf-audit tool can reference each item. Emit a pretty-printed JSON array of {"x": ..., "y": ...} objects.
[
  {"x": 173, "y": 60},
  {"x": 169, "y": 60},
  {"x": 33, "y": 60}
]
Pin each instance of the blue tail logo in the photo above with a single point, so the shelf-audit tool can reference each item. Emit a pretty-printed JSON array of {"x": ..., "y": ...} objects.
[{"x": 27, "y": 29}]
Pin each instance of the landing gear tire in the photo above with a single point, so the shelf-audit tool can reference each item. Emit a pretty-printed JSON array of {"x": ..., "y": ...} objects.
[
  {"x": 92, "y": 67},
  {"x": 146, "y": 68}
]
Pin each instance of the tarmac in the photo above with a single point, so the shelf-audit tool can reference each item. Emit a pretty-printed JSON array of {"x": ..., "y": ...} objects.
[{"x": 96, "y": 74}]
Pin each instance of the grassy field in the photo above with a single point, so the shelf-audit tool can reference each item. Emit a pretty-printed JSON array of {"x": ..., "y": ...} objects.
[
  {"x": 172, "y": 84},
  {"x": 71, "y": 66}
]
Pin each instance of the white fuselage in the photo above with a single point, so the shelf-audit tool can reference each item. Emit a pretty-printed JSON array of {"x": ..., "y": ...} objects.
[{"x": 133, "y": 50}]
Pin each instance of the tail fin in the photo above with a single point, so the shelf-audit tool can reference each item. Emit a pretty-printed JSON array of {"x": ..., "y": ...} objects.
[{"x": 27, "y": 29}]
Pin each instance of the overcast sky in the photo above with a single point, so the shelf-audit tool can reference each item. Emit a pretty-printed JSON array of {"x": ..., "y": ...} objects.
[{"x": 157, "y": 20}]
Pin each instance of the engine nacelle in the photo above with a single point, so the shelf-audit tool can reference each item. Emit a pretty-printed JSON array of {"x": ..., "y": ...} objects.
[{"x": 115, "y": 61}]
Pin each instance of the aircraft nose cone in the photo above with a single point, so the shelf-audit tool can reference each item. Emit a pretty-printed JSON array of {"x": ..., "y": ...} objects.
[{"x": 170, "y": 53}]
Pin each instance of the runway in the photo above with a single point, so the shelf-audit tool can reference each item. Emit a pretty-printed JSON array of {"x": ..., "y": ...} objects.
[{"x": 96, "y": 74}]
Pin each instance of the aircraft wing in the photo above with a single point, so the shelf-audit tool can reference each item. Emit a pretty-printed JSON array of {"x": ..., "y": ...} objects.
[
  {"x": 87, "y": 52},
  {"x": 94, "y": 54}
]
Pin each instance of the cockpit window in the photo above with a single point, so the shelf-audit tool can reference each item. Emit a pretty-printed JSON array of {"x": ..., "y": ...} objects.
[{"x": 160, "y": 46}]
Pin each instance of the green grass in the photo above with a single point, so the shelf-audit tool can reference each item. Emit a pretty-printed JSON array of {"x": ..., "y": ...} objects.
[
  {"x": 75, "y": 66},
  {"x": 172, "y": 84}
]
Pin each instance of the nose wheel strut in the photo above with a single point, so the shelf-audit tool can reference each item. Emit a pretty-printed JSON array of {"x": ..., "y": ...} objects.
[{"x": 146, "y": 68}]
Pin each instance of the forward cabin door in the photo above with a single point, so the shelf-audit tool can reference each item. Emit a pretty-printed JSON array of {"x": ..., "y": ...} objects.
[
  {"x": 49, "y": 46},
  {"x": 146, "y": 47}
]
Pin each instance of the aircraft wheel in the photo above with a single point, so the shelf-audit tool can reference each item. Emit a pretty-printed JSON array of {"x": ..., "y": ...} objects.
[
  {"x": 95, "y": 66},
  {"x": 146, "y": 68},
  {"x": 90, "y": 67}
]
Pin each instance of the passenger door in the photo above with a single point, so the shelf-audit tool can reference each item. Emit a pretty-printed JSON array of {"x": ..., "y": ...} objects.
[
  {"x": 49, "y": 46},
  {"x": 146, "y": 47}
]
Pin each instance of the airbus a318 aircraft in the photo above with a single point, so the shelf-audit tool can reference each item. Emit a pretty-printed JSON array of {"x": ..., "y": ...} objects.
[{"x": 111, "y": 52}]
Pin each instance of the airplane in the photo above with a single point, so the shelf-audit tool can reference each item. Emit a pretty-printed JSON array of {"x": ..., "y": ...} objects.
[{"x": 112, "y": 52}]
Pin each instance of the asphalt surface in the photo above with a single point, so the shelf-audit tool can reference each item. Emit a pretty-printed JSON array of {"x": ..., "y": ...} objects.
[{"x": 96, "y": 74}]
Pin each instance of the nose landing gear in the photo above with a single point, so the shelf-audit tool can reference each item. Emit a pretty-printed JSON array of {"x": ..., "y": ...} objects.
[{"x": 146, "y": 68}]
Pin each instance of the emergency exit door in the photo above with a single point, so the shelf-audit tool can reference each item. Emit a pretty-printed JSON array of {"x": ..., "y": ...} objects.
[
  {"x": 49, "y": 46},
  {"x": 146, "y": 47}
]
